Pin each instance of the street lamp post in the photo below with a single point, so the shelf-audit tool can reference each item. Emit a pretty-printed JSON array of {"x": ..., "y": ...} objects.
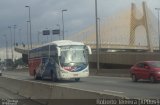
[
  {"x": 20, "y": 38},
  {"x": 6, "y": 47},
  {"x": 97, "y": 38},
  {"x": 27, "y": 36},
  {"x": 29, "y": 16},
  {"x": 99, "y": 33},
  {"x": 11, "y": 41},
  {"x": 38, "y": 37},
  {"x": 63, "y": 23},
  {"x": 14, "y": 27},
  {"x": 59, "y": 30},
  {"x": 158, "y": 9}
]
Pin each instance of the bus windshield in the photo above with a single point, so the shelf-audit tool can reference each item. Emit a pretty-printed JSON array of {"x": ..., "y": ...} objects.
[{"x": 73, "y": 55}]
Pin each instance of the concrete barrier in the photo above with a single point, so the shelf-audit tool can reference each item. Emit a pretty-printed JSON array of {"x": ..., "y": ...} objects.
[
  {"x": 110, "y": 72},
  {"x": 10, "y": 84},
  {"x": 73, "y": 93},
  {"x": 38, "y": 90},
  {"x": 25, "y": 89},
  {"x": 124, "y": 58}
]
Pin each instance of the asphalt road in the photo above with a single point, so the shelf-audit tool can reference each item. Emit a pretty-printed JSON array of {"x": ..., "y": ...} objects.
[
  {"x": 9, "y": 98},
  {"x": 5, "y": 94},
  {"x": 110, "y": 85}
]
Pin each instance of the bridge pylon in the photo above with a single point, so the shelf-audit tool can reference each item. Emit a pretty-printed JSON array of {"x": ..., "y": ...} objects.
[{"x": 134, "y": 23}]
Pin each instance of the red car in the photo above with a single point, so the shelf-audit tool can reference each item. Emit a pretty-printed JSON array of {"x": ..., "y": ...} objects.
[{"x": 146, "y": 70}]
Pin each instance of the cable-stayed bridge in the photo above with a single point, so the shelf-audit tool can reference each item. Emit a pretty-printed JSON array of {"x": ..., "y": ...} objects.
[{"x": 132, "y": 28}]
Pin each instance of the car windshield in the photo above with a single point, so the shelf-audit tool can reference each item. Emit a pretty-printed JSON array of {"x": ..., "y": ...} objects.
[
  {"x": 73, "y": 55},
  {"x": 155, "y": 64}
]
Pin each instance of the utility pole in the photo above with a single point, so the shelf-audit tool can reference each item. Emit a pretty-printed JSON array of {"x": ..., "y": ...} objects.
[
  {"x": 20, "y": 37},
  {"x": 14, "y": 27},
  {"x": 30, "y": 32},
  {"x": 5, "y": 36},
  {"x": 11, "y": 41},
  {"x": 99, "y": 33},
  {"x": 38, "y": 37},
  {"x": 97, "y": 38},
  {"x": 63, "y": 22},
  {"x": 27, "y": 36},
  {"x": 158, "y": 9},
  {"x": 59, "y": 30}
]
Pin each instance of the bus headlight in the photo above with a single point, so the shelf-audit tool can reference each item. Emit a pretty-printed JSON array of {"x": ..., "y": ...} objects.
[
  {"x": 62, "y": 71},
  {"x": 87, "y": 70}
]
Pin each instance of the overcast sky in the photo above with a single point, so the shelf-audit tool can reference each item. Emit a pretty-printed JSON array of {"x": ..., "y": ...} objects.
[{"x": 46, "y": 14}]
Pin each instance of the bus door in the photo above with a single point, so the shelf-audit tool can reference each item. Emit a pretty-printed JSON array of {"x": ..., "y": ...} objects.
[{"x": 43, "y": 64}]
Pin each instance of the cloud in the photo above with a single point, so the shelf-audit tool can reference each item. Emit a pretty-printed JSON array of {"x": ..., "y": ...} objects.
[{"x": 47, "y": 13}]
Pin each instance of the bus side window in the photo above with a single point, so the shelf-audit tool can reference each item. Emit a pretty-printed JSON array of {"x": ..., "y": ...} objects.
[
  {"x": 52, "y": 60},
  {"x": 43, "y": 60}
]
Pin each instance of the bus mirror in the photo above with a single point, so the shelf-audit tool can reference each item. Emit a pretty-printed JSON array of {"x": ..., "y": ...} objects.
[
  {"x": 89, "y": 50},
  {"x": 58, "y": 51}
]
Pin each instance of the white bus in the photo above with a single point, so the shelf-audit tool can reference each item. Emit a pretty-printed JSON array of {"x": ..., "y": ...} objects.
[{"x": 58, "y": 60}]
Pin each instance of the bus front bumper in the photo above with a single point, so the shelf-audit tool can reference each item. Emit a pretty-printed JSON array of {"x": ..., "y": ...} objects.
[{"x": 69, "y": 75}]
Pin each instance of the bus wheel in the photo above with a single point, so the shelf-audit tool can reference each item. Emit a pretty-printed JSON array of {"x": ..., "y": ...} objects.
[
  {"x": 54, "y": 77},
  {"x": 77, "y": 79},
  {"x": 35, "y": 76}
]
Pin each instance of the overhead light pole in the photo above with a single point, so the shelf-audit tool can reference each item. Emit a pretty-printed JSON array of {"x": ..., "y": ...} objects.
[
  {"x": 14, "y": 27},
  {"x": 63, "y": 22},
  {"x": 59, "y": 30},
  {"x": 20, "y": 37},
  {"x": 5, "y": 36},
  {"x": 29, "y": 16},
  {"x": 38, "y": 37},
  {"x": 11, "y": 41},
  {"x": 27, "y": 35},
  {"x": 97, "y": 38},
  {"x": 99, "y": 33},
  {"x": 158, "y": 9}
]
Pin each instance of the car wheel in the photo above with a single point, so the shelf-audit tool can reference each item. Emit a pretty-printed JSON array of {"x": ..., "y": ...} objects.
[
  {"x": 153, "y": 80},
  {"x": 77, "y": 79},
  {"x": 134, "y": 78}
]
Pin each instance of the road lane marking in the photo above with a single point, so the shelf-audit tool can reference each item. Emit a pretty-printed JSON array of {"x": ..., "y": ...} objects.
[
  {"x": 113, "y": 91},
  {"x": 110, "y": 77},
  {"x": 110, "y": 81},
  {"x": 63, "y": 85}
]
